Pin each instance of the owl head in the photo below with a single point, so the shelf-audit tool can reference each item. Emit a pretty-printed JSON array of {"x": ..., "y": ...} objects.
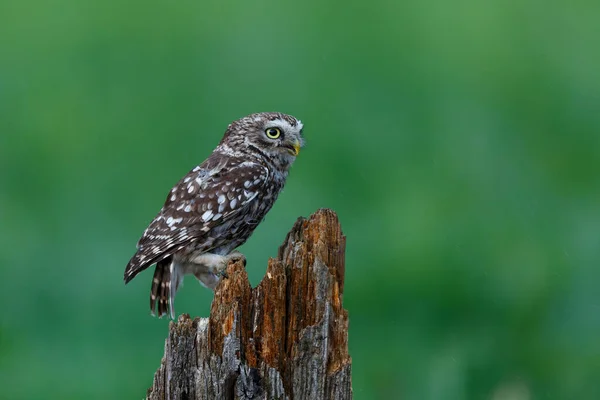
[{"x": 273, "y": 135}]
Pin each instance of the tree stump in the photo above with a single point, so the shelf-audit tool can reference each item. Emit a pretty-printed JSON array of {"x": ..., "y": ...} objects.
[{"x": 285, "y": 339}]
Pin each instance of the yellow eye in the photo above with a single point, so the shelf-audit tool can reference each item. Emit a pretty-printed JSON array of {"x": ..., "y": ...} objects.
[{"x": 273, "y": 133}]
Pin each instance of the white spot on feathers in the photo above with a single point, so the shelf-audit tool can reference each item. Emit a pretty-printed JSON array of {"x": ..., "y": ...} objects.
[
  {"x": 187, "y": 208},
  {"x": 232, "y": 203},
  {"x": 207, "y": 215},
  {"x": 217, "y": 216},
  {"x": 221, "y": 199}
]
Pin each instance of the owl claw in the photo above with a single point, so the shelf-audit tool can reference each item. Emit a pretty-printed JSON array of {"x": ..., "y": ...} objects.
[
  {"x": 231, "y": 258},
  {"x": 235, "y": 257}
]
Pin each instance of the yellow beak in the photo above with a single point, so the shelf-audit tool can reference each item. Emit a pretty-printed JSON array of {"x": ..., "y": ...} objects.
[{"x": 296, "y": 148}]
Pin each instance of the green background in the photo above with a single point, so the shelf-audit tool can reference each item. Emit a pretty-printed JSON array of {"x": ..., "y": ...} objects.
[{"x": 459, "y": 143}]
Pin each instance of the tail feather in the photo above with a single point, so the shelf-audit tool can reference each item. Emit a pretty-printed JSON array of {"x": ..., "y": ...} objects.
[
  {"x": 166, "y": 281},
  {"x": 159, "y": 292},
  {"x": 163, "y": 301}
]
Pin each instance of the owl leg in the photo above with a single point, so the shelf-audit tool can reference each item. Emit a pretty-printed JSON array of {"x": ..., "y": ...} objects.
[
  {"x": 234, "y": 256},
  {"x": 209, "y": 268},
  {"x": 208, "y": 279}
]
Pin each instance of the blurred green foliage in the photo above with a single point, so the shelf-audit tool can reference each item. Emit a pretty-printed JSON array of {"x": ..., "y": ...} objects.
[{"x": 459, "y": 143}]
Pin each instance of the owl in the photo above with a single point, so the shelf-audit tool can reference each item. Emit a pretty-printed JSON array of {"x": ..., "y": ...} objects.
[{"x": 215, "y": 207}]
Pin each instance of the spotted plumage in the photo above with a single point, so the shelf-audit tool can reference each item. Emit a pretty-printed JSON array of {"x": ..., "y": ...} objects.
[{"x": 215, "y": 208}]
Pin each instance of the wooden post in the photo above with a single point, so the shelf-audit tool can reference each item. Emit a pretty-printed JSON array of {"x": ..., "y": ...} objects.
[{"x": 285, "y": 339}]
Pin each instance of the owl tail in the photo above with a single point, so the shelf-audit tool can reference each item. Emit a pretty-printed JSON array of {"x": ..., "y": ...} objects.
[{"x": 165, "y": 283}]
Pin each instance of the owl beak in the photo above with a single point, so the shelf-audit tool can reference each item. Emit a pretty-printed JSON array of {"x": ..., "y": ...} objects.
[{"x": 294, "y": 148}]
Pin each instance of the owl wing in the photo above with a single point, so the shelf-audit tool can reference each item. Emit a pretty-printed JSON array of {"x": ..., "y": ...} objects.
[{"x": 205, "y": 198}]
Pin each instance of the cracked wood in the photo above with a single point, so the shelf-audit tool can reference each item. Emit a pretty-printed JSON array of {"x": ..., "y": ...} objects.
[{"x": 285, "y": 339}]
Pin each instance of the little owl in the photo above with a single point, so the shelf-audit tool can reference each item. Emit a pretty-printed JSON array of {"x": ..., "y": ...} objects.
[{"x": 215, "y": 208}]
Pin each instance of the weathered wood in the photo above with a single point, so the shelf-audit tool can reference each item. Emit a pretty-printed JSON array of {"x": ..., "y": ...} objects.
[{"x": 285, "y": 339}]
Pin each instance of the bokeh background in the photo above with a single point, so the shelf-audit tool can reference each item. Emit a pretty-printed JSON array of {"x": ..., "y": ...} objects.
[{"x": 459, "y": 143}]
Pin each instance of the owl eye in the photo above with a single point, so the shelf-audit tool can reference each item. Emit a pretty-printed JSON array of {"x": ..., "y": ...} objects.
[{"x": 273, "y": 133}]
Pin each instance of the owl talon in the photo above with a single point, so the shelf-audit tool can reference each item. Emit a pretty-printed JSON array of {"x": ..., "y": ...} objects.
[{"x": 235, "y": 257}]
